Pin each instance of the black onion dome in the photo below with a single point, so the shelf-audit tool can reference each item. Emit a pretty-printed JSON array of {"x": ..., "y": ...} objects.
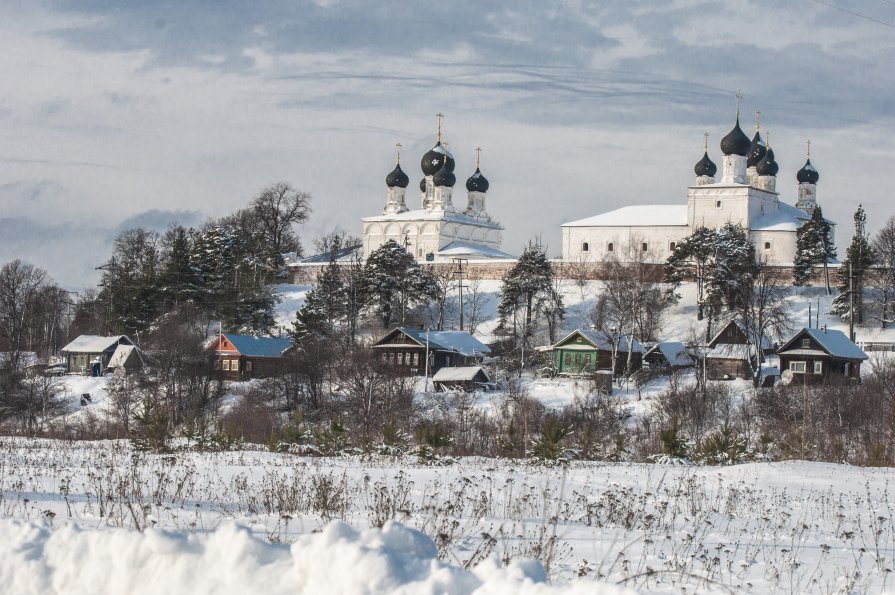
[
  {"x": 397, "y": 178},
  {"x": 445, "y": 177},
  {"x": 808, "y": 174},
  {"x": 423, "y": 185},
  {"x": 434, "y": 159},
  {"x": 705, "y": 166},
  {"x": 477, "y": 182},
  {"x": 767, "y": 166},
  {"x": 736, "y": 142},
  {"x": 756, "y": 151}
]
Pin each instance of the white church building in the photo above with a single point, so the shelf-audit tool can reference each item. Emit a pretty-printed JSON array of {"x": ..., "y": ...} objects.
[
  {"x": 437, "y": 229},
  {"x": 746, "y": 195}
]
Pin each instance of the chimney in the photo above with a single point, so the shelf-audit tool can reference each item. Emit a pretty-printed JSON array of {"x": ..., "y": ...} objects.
[{"x": 824, "y": 328}]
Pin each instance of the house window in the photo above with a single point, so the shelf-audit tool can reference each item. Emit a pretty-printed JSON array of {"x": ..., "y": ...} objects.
[
  {"x": 806, "y": 343},
  {"x": 585, "y": 247},
  {"x": 846, "y": 369},
  {"x": 447, "y": 361},
  {"x": 248, "y": 365},
  {"x": 767, "y": 245},
  {"x": 226, "y": 364},
  {"x": 577, "y": 359},
  {"x": 391, "y": 358},
  {"x": 672, "y": 246},
  {"x": 416, "y": 359},
  {"x": 718, "y": 204},
  {"x": 610, "y": 247},
  {"x": 568, "y": 359},
  {"x": 818, "y": 367},
  {"x": 643, "y": 247},
  {"x": 586, "y": 359},
  {"x": 797, "y": 367},
  {"x": 234, "y": 365}
]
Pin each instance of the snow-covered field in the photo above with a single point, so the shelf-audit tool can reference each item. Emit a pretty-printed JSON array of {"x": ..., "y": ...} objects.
[{"x": 789, "y": 527}]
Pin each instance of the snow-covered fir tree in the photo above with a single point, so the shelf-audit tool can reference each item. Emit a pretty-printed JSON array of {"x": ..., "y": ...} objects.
[
  {"x": 326, "y": 305},
  {"x": 528, "y": 287},
  {"x": 814, "y": 246},
  {"x": 395, "y": 283},
  {"x": 859, "y": 257}
]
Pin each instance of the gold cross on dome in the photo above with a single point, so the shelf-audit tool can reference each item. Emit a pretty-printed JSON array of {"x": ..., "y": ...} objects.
[
  {"x": 757, "y": 120},
  {"x": 739, "y": 97},
  {"x": 398, "y": 146},
  {"x": 705, "y": 144},
  {"x": 438, "y": 118},
  {"x": 808, "y": 142},
  {"x": 478, "y": 156}
]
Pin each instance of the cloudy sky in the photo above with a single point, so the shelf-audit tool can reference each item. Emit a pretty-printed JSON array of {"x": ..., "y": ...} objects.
[{"x": 142, "y": 113}]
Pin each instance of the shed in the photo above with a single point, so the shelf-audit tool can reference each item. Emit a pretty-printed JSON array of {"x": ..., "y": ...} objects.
[
  {"x": 672, "y": 355},
  {"x": 91, "y": 353},
  {"x": 821, "y": 356},
  {"x": 464, "y": 377},
  {"x": 125, "y": 358}
]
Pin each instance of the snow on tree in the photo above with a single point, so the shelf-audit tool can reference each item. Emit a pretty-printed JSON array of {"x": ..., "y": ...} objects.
[
  {"x": 814, "y": 246},
  {"x": 528, "y": 287},
  {"x": 859, "y": 257},
  {"x": 693, "y": 255},
  {"x": 326, "y": 305},
  {"x": 395, "y": 283}
]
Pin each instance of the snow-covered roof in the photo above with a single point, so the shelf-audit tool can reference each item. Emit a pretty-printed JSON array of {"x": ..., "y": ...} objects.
[
  {"x": 674, "y": 352},
  {"x": 786, "y": 218},
  {"x": 122, "y": 353},
  {"x": 603, "y": 341},
  {"x": 427, "y": 215},
  {"x": 457, "y": 341},
  {"x": 341, "y": 255},
  {"x": 460, "y": 374},
  {"x": 636, "y": 216},
  {"x": 259, "y": 346},
  {"x": 730, "y": 351},
  {"x": 834, "y": 342},
  {"x": 459, "y": 248},
  {"x": 94, "y": 343}
]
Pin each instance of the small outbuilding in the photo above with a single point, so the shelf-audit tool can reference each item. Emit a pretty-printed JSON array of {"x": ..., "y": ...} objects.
[
  {"x": 466, "y": 378},
  {"x": 125, "y": 358},
  {"x": 821, "y": 356},
  {"x": 731, "y": 354},
  {"x": 90, "y": 354},
  {"x": 404, "y": 349},
  {"x": 585, "y": 351},
  {"x": 243, "y": 357},
  {"x": 669, "y": 355}
]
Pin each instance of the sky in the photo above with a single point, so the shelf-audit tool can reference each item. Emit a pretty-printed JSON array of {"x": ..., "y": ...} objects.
[{"x": 121, "y": 114}]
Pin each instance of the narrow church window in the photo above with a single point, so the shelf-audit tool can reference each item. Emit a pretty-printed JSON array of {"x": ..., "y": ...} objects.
[
  {"x": 672, "y": 246},
  {"x": 718, "y": 204},
  {"x": 767, "y": 245},
  {"x": 644, "y": 247},
  {"x": 585, "y": 247},
  {"x": 609, "y": 247}
]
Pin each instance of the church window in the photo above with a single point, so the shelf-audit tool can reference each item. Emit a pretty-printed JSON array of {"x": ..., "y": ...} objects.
[
  {"x": 585, "y": 247},
  {"x": 644, "y": 247},
  {"x": 767, "y": 245},
  {"x": 718, "y": 204},
  {"x": 672, "y": 246},
  {"x": 610, "y": 247}
]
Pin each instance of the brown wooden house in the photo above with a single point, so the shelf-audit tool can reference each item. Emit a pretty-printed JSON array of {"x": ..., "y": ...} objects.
[
  {"x": 585, "y": 351},
  {"x": 243, "y": 357},
  {"x": 731, "y": 354},
  {"x": 821, "y": 356},
  {"x": 404, "y": 349}
]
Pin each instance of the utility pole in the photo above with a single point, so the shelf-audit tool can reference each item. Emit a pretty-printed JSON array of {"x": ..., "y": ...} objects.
[{"x": 459, "y": 272}]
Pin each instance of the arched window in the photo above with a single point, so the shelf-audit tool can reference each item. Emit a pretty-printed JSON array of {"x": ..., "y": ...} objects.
[
  {"x": 585, "y": 247},
  {"x": 672, "y": 246},
  {"x": 767, "y": 245},
  {"x": 610, "y": 247},
  {"x": 644, "y": 247},
  {"x": 718, "y": 204}
]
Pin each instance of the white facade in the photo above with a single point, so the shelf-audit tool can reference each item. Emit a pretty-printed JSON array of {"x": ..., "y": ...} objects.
[{"x": 743, "y": 196}]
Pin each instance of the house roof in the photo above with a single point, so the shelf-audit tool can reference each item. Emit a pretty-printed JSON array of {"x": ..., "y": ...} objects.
[
  {"x": 94, "y": 343},
  {"x": 765, "y": 342},
  {"x": 674, "y": 352},
  {"x": 602, "y": 340},
  {"x": 259, "y": 346},
  {"x": 427, "y": 215},
  {"x": 122, "y": 353},
  {"x": 457, "y": 341},
  {"x": 460, "y": 248},
  {"x": 459, "y": 374},
  {"x": 636, "y": 216},
  {"x": 833, "y": 342}
]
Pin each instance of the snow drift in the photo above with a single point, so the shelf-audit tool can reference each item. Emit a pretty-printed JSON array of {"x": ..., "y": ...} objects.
[{"x": 395, "y": 559}]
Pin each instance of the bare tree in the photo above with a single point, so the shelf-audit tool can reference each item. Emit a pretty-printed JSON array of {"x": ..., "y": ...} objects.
[
  {"x": 474, "y": 303},
  {"x": 21, "y": 285},
  {"x": 881, "y": 278},
  {"x": 278, "y": 209}
]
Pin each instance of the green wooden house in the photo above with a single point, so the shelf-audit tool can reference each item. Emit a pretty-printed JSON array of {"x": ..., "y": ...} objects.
[{"x": 585, "y": 352}]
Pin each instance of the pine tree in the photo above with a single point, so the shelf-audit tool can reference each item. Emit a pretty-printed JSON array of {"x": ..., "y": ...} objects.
[
  {"x": 325, "y": 306},
  {"x": 859, "y": 257},
  {"x": 396, "y": 283},
  {"x": 527, "y": 287},
  {"x": 814, "y": 246}
]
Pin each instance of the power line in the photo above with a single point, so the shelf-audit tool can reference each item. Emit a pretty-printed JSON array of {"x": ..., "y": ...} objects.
[{"x": 857, "y": 14}]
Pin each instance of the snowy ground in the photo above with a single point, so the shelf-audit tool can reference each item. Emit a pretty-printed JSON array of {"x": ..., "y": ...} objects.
[{"x": 791, "y": 527}]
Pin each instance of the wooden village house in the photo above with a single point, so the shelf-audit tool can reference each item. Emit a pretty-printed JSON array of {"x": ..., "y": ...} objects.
[
  {"x": 404, "y": 349},
  {"x": 586, "y": 351},
  {"x": 731, "y": 354},
  {"x": 821, "y": 356},
  {"x": 91, "y": 354},
  {"x": 243, "y": 357}
]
